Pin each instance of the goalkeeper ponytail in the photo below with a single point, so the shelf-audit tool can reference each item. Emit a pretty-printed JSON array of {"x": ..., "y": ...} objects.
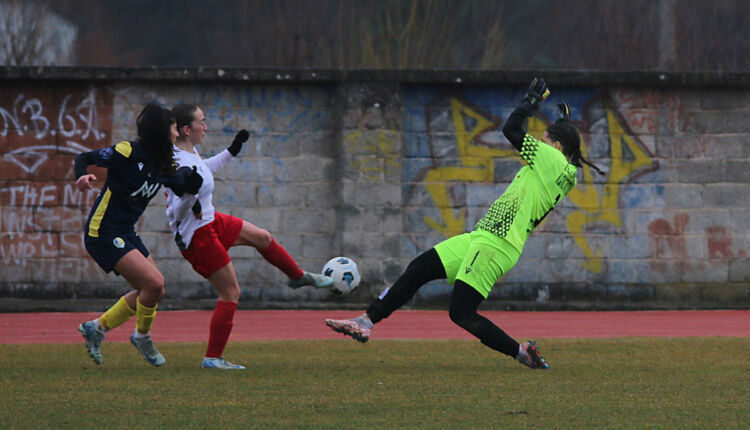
[{"x": 567, "y": 135}]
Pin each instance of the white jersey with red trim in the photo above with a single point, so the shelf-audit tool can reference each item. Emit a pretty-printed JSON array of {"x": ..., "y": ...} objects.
[{"x": 182, "y": 221}]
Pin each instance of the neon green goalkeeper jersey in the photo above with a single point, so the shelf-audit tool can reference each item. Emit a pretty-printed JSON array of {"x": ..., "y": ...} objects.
[{"x": 546, "y": 178}]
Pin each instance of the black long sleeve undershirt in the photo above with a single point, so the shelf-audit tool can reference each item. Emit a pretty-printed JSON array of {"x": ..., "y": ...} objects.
[
  {"x": 514, "y": 128},
  {"x": 184, "y": 180},
  {"x": 81, "y": 162}
]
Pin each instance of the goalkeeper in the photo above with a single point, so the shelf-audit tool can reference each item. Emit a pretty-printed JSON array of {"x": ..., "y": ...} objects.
[{"x": 473, "y": 262}]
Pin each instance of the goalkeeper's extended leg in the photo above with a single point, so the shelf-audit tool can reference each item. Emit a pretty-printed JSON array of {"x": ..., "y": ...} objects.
[
  {"x": 424, "y": 268},
  {"x": 465, "y": 301}
]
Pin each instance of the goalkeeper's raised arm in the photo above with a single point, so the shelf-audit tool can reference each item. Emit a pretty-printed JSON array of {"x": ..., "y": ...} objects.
[{"x": 514, "y": 128}]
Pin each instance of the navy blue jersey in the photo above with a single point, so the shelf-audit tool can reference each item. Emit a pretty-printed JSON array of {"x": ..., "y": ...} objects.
[{"x": 127, "y": 191}]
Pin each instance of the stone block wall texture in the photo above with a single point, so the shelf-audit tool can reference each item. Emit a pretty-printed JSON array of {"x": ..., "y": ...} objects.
[{"x": 380, "y": 170}]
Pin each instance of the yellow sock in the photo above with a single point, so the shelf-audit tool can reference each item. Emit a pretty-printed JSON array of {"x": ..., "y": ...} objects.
[
  {"x": 117, "y": 315},
  {"x": 146, "y": 317}
]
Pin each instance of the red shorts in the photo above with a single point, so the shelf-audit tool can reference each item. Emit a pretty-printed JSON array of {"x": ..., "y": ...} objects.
[{"x": 207, "y": 251}]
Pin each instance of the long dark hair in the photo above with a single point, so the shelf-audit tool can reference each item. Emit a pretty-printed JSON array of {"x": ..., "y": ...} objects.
[
  {"x": 153, "y": 125},
  {"x": 567, "y": 135}
]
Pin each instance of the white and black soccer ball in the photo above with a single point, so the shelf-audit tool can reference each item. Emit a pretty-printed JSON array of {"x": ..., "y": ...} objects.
[{"x": 345, "y": 275}]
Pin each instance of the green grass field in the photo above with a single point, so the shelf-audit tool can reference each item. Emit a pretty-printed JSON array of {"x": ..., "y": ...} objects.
[{"x": 603, "y": 384}]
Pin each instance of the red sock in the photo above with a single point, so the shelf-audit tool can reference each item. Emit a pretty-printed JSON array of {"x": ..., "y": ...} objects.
[
  {"x": 277, "y": 255},
  {"x": 221, "y": 327}
]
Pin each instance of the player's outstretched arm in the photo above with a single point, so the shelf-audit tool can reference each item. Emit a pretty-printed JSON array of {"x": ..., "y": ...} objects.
[
  {"x": 219, "y": 160},
  {"x": 239, "y": 139},
  {"x": 514, "y": 129}
]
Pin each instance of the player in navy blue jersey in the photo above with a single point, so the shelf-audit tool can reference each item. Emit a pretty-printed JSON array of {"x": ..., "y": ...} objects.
[{"x": 135, "y": 172}]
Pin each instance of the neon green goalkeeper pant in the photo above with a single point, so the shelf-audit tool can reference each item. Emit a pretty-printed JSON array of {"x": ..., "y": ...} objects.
[{"x": 478, "y": 258}]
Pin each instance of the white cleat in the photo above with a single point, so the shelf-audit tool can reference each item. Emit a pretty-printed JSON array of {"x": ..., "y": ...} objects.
[
  {"x": 220, "y": 363},
  {"x": 94, "y": 339},
  {"x": 314, "y": 279},
  {"x": 146, "y": 347},
  {"x": 350, "y": 328},
  {"x": 530, "y": 356}
]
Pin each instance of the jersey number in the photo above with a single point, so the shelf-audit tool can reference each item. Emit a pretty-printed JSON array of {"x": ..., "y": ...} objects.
[{"x": 535, "y": 222}]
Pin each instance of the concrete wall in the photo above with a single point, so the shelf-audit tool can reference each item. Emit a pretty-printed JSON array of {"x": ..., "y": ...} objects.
[{"x": 380, "y": 167}]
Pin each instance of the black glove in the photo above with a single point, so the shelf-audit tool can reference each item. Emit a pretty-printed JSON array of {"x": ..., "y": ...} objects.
[
  {"x": 197, "y": 209},
  {"x": 191, "y": 179},
  {"x": 537, "y": 92},
  {"x": 563, "y": 112},
  {"x": 239, "y": 139}
]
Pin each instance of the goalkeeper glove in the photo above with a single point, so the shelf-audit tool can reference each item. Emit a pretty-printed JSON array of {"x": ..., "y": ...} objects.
[
  {"x": 563, "y": 112},
  {"x": 536, "y": 93}
]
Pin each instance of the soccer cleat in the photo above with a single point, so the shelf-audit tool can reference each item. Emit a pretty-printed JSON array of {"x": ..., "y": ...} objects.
[
  {"x": 146, "y": 347},
  {"x": 220, "y": 363},
  {"x": 314, "y": 279},
  {"x": 531, "y": 357},
  {"x": 350, "y": 328},
  {"x": 94, "y": 339}
]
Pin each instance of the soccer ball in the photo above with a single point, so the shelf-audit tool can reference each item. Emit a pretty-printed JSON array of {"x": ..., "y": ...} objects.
[{"x": 345, "y": 275}]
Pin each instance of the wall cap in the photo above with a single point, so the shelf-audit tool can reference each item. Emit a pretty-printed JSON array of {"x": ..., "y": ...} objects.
[{"x": 597, "y": 78}]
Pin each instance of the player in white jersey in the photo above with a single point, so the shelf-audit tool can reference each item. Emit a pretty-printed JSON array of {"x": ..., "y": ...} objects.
[{"x": 204, "y": 235}]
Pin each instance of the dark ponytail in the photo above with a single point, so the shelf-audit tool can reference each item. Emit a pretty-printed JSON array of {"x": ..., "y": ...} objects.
[
  {"x": 567, "y": 135},
  {"x": 153, "y": 125}
]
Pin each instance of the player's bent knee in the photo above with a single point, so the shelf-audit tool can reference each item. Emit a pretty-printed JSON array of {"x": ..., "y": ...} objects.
[
  {"x": 254, "y": 236},
  {"x": 234, "y": 295},
  {"x": 456, "y": 315},
  {"x": 265, "y": 239},
  {"x": 229, "y": 293},
  {"x": 154, "y": 286},
  {"x": 461, "y": 316}
]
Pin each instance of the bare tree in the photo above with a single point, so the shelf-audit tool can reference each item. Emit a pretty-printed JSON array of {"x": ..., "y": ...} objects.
[
  {"x": 667, "y": 49},
  {"x": 680, "y": 35},
  {"x": 421, "y": 34},
  {"x": 32, "y": 35},
  {"x": 712, "y": 35},
  {"x": 372, "y": 34}
]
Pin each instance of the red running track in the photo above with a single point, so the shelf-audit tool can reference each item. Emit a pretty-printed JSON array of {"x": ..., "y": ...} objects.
[{"x": 192, "y": 326}]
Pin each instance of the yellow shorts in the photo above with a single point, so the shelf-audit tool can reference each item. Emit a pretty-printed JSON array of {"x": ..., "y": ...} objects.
[{"x": 478, "y": 258}]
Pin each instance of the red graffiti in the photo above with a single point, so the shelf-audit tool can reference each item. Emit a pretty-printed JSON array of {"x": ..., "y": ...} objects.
[
  {"x": 718, "y": 242},
  {"x": 648, "y": 99},
  {"x": 667, "y": 241},
  {"x": 667, "y": 244},
  {"x": 643, "y": 122}
]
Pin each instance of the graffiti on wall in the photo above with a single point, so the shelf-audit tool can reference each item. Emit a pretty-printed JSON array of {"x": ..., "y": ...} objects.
[
  {"x": 476, "y": 146},
  {"x": 601, "y": 204},
  {"x": 675, "y": 247},
  {"x": 43, "y": 128},
  {"x": 475, "y": 164},
  {"x": 58, "y": 129},
  {"x": 42, "y": 212},
  {"x": 374, "y": 156},
  {"x": 669, "y": 250},
  {"x": 279, "y": 113}
]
